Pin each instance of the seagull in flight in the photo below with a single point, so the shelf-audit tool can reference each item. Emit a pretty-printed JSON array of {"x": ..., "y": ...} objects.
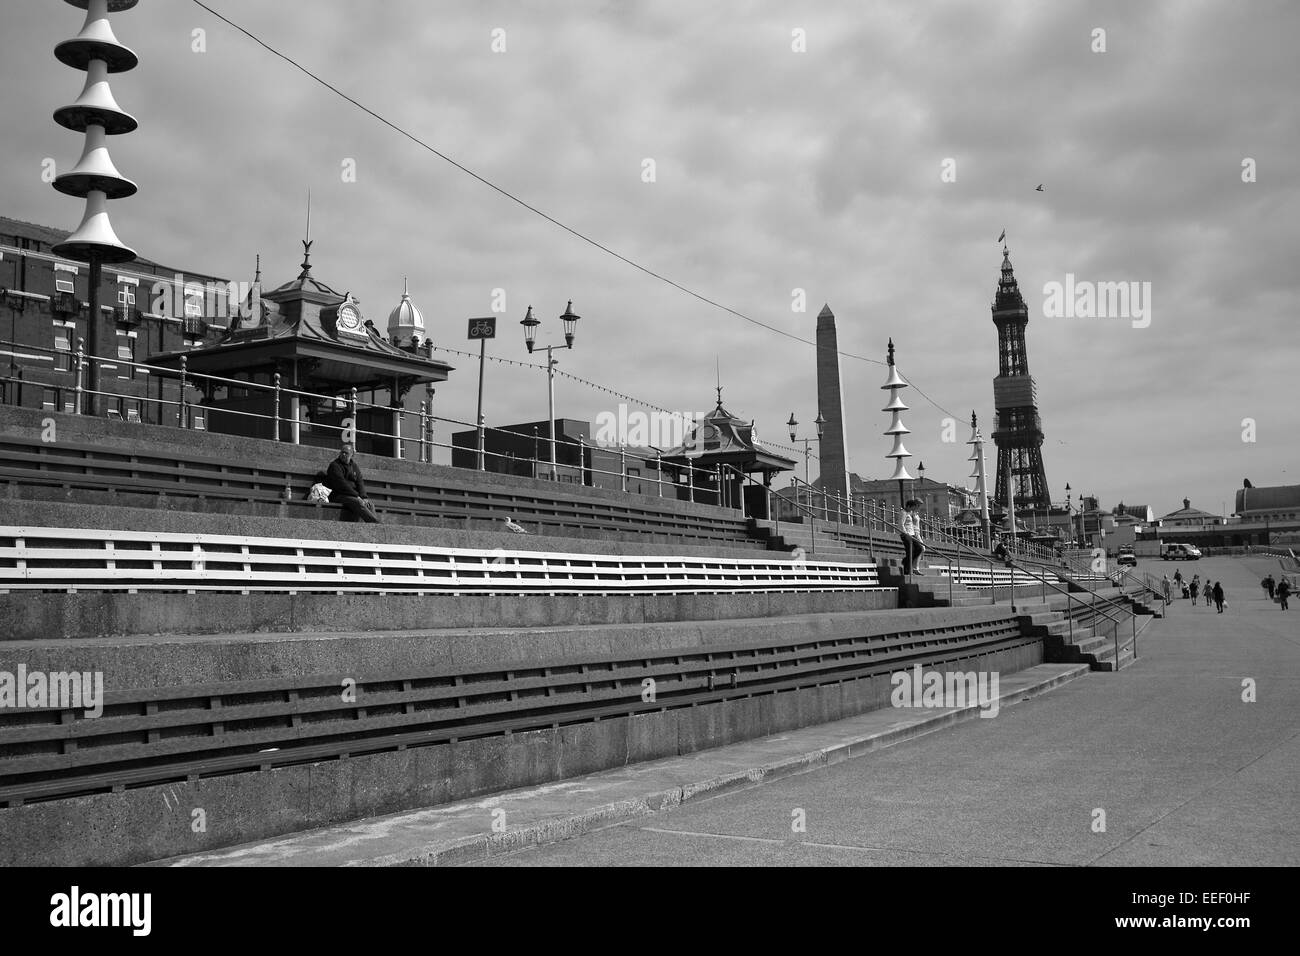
[
  {"x": 1038, "y": 188},
  {"x": 1003, "y": 236},
  {"x": 516, "y": 528}
]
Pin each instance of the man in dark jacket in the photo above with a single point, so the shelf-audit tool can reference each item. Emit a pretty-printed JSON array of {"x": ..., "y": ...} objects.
[
  {"x": 1218, "y": 596},
  {"x": 1284, "y": 593},
  {"x": 348, "y": 489}
]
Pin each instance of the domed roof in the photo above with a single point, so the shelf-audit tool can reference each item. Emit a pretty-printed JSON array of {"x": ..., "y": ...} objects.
[{"x": 405, "y": 320}]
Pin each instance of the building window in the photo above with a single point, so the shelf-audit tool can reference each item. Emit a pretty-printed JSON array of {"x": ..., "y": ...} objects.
[
  {"x": 63, "y": 349},
  {"x": 64, "y": 285},
  {"x": 193, "y": 305},
  {"x": 50, "y": 399},
  {"x": 126, "y": 356},
  {"x": 126, "y": 296}
]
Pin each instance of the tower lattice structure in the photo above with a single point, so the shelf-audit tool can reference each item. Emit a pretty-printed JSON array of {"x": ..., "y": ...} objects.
[{"x": 1018, "y": 432}]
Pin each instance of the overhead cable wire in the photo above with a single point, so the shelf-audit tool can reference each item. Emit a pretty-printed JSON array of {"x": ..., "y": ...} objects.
[{"x": 531, "y": 208}]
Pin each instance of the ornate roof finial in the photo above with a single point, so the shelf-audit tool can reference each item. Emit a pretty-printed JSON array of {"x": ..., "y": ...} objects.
[
  {"x": 257, "y": 271},
  {"x": 306, "y": 243},
  {"x": 972, "y": 418},
  {"x": 891, "y": 351},
  {"x": 306, "y": 259}
]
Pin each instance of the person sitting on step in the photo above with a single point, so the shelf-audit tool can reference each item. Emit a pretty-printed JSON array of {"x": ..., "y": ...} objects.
[{"x": 348, "y": 488}]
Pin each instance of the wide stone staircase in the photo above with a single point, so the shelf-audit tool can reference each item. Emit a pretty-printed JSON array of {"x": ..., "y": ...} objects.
[{"x": 1073, "y": 631}]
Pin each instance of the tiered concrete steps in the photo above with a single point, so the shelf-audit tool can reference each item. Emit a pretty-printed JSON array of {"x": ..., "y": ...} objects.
[
  {"x": 1079, "y": 644},
  {"x": 787, "y": 535}
]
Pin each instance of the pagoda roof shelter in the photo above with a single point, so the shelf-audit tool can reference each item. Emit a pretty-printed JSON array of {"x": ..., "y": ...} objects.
[
  {"x": 317, "y": 340},
  {"x": 722, "y": 439}
]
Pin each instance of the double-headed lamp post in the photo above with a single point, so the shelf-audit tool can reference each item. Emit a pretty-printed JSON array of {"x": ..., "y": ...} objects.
[
  {"x": 530, "y": 325},
  {"x": 807, "y": 453}
]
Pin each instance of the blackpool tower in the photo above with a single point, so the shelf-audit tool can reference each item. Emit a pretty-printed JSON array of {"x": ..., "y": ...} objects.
[{"x": 1019, "y": 431}]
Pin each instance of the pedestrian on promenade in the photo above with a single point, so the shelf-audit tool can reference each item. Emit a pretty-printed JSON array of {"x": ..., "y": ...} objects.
[
  {"x": 1209, "y": 592},
  {"x": 1284, "y": 592},
  {"x": 1178, "y": 579},
  {"x": 1164, "y": 584},
  {"x": 1269, "y": 585},
  {"x": 1194, "y": 587},
  {"x": 348, "y": 488},
  {"x": 1218, "y": 595},
  {"x": 910, "y": 531}
]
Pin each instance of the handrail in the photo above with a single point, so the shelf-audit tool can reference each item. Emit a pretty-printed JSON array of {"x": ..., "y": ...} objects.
[
  {"x": 993, "y": 591},
  {"x": 1125, "y": 573},
  {"x": 1092, "y": 606},
  {"x": 79, "y": 359}
]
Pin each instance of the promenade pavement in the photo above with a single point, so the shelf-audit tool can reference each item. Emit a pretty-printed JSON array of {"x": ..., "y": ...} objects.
[{"x": 1185, "y": 770}]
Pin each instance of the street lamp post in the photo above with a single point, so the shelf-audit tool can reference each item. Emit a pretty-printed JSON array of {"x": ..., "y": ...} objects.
[
  {"x": 920, "y": 481},
  {"x": 820, "y": 422},
  {"x": 807, "y": 454},
  {"x": 1069, "y": 514},
  {"x": 530, "y": 325}
]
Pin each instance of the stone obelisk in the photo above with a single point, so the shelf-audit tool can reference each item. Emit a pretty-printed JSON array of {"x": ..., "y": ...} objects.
[{"x": 833, "y": 462}]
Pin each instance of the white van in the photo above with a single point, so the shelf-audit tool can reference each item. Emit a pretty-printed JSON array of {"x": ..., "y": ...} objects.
[{"x": 1179, "y": 552}]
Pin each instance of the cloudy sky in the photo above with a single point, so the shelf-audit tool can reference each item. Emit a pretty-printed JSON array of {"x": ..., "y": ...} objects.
[{"x": 775, "y": 170}]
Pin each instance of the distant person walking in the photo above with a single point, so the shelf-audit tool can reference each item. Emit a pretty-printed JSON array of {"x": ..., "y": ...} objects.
[
  {"x": 1178, "y": 579},
  {"x": 1193, "y": 588},
  {"x": 1209, "y": 593},
  {"x": 1269, "y": 585},
  {"x": 1284, "y": 592},
  {"x": 348, "y": 488},
  {"x": 1218, "y": 595},
  {"x": 910, "y": 531},
  {"x": 1165, "y": 585}
]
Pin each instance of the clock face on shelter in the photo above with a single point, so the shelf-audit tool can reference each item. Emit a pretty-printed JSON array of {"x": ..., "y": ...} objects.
[{"x": 349, "y": 319}]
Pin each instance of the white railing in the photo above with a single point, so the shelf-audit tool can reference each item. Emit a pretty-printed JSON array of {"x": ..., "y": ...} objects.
[
  {"x": 75, "y": 559},
  {"x": 977, "y": 577}
]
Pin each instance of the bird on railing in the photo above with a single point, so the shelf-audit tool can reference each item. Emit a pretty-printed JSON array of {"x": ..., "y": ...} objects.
[{"x": 516, "y": 528}]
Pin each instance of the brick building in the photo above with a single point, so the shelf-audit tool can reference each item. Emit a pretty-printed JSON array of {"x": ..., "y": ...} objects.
[{"x": 146, "y": 309}]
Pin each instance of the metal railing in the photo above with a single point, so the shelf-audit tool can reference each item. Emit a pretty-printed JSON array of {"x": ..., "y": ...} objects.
[
  {"x": 71, "y": 559},
  {"x": 681, "y": 479},
  {"x": 1092, "y": 606}
]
